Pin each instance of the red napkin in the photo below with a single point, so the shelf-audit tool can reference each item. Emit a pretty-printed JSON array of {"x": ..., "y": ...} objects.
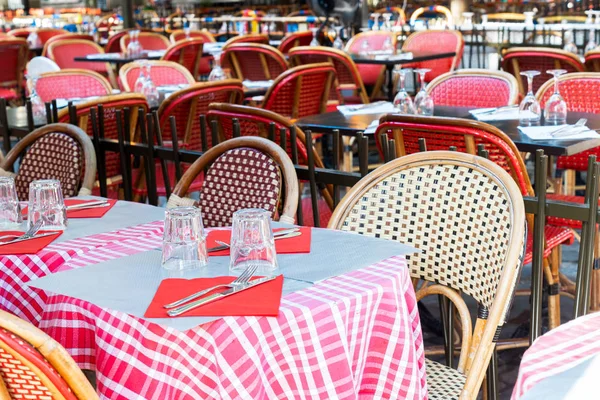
[
  {"x": 96, "y": 212},
  {"x": 31, "y": 246},
  {"x": 298, "y": 244},
  {"x": 262, "y": 300}
]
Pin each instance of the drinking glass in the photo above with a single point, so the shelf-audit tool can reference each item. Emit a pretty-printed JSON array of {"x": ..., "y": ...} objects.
[
  {"x": 530, "y": 111},
  {"x": 252, "y": 241},
  {"x": 338, "y": 43},
  {"x": 217, "y": 73},
  {"x": 10, "y": 210},
  {"x": 591, "y": 44},
  {"x": 184, "y": 242},
  {"x": 423, "y": 102},
  {"x": 187, "y": 29},
  {"x": 38, "y": 108},
  {"x": 315, "y": 40},
  {"x": 555, "y": 112},
  {"x": 387, "y": 21},
  {"x": 467, "y": 22},
  {"x": 138, "y": 87},
  {"x": 375, "y": 17},
  {"x": 46, "y": 203},
  {"x": 570, "y": 46},
  {"x": 387, "y": 46},
  {"x": 402, "y": 102},
  {"x": 365, "y": 49},
  {"x": 149, "y": 89}
]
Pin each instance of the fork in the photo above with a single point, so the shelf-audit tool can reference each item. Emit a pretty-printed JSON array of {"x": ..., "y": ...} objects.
[
  {"x": 30, "y": 232},
  {"x": 240, "y": 280}
]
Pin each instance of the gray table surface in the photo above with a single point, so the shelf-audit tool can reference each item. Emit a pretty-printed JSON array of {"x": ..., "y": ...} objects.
[{"x": 128, "y": 284}]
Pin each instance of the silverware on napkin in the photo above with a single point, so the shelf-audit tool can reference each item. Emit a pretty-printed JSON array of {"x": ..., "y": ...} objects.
[
  {"x": 28, "y": 234},
  {"x": 569, "y": 129},
  {"x": 496, "y": 110},
  {"x": 218, "y": 296},
  {"x": 90, "y": 204},
  {"x": 283, "y": 234},
  {"x": 22, "y": 239}
]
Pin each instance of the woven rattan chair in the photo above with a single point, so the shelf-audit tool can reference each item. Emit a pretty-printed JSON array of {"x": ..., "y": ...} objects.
[
  {"x": 541, "y": 59},
  {"x": 425, "y": 12},
  {"x": 249, "y": 38},
  {"x": 268, "y": 176},
  {"x": 65, "y": 36},
  {"x": 294, "y": 40},
  {"x": 148, "y": 41},
  {"x": 253, "y": 61},
  {"x": 55, "y": 151},
  {"x": 35, "y": 366},
  {"x": 466, "y": 216},
  {"x": 301, "y": 91},
  {"x": 179, "y": 34},
  {"x": 13, "y": 53},
  {"x": 476, "y": 88},
  {"x": 113, "y": 45},
  {"x": 372, "y": 75},
  {"x": 163, "y": 73},
  {"x": 45, "y": 34},
  {"x": 187, "y": 52},
  {"x": 22, "y": 33},
  {"x": 347, "y": 74},
  {"x": 466, "y": 135},
  {"x": 435, "y": 41},
  {"x": 592, "y": 61},
  {"x": 71, "y": 83}
]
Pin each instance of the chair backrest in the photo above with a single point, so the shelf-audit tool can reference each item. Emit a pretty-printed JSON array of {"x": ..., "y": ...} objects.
[
  {"x": 253, "y": 61},
  {"x": 581, "y": 91},
  {"x": 22, "y": 33},
  {"x": 295, "y": 39},
  {"x": 113, "y": 45},
  {"x": 592, "y": 61},
  {"x": 187, "y": 105},
  {"x": 249, "y": 38},
  {"x": 466, "y": 216},
  {"x": 186, "y": 52},
  {"x": 63, "y": 52},
  {"x": 163, "y": 73},
  {"x": 45, "y": 34},
  {"x": 40, "y": 65},
  {"x": 35, "y": 366},
  {"x": 347, "y": 74},
  {"x": 13, "y": 53},
  {"x": 264, "y": 174},
  {"x": 71, "y": 83},
  {"x": 376, "y": 39},
  {"x": 56, "y": 151},
  {"x": 399, "y": 16},
  {"x": 476, "y": 88},
  {"x": 435, "y": 9},
  {"x": 65, "y": 36},
  {"x": 439, "y": 41},
  {"x": 301, "y": 91},
  {"x": 518, "y": 59},
  {"x": 179, "y": 34},
  {"x": 148, "y": 41}
]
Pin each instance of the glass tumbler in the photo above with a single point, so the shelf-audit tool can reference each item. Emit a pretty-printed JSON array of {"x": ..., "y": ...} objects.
[
  {"x": 252, "y": 241},
  {"x": 10, "y": 210},
  {"x": 46, "y": 203},
  {"x": 184, "y": 242}
]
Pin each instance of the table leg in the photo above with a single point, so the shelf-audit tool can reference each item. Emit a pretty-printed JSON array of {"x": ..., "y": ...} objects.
[
  {"x": 347, "y": 142},
  {"x": 390, "y": 70}
]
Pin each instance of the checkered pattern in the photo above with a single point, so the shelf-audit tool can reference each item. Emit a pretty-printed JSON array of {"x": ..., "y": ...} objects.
[
  {"x": 558, "y": 350},
  {"x": 443, "y": 383}
]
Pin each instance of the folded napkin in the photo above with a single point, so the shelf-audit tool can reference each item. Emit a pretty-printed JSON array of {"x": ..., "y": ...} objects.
[
  {"x": 379, "y": 107},
  {"x": 394, "y": 57},
  {"x": 298, "y": 244},
  {"x": 208, "y": 47},
  {"x": 372, "y": 127},
  {"x": 96, "y": 212},
  {"x": 259, "y": 301},
  {"x": 503, "y": 114},
  {"x": 545, "y": 132},
  {"x": 257, "y": 84},
  {"x": 31, "y": 246},
  {"x": 156, "y": 53},
  {"x": 103, "y": 55}
]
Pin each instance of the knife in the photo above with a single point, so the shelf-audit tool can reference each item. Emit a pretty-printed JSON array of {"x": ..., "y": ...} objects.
[
  {"x": 91, "y": 204},
  {"x": 275, "y": 235},
  {"x": 28, "y": 238},
  {"x": 217, "y": 296}
]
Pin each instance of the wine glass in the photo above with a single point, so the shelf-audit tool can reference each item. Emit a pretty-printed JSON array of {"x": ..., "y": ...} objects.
[
  {"x": 402, "y": 102},
  {"x": 149, "y": 89},
  {"x": 365, "y": 49},
  {"x": 217, "y": 73},
  {"x": 387, "y": 46},
  {"x": 315, "y": 40},
  {"x": 591, "y": 44},
  {"x": 375, "y": 17},
  {"x": 570, "y": 46},
  {"x": 38, "y": 108},
  {"x": 138, "y": 87},
  {"x": 423, "y": 102},
  {"x": 338, "y": 43},
  {"x": 387, "y": 21},
  {"x": 530, "y": 111},
  {"x": 555, "y": 112}
]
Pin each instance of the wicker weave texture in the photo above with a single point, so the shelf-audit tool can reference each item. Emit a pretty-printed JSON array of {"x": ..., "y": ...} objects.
[
  {"x": 472, "y": 91},
  {"x": 68, "y": 86},
  {"x": 63, "y": 53},
  {"x": 438, "y": 41},
  {"x": 254, "y": 63},
  {"x": 162, "y": 75},
  {"x": 443, "y": 383}
]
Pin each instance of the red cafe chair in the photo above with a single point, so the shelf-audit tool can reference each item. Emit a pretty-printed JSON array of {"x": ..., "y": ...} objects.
[
  {"x": 45, "y": 34},
  {"x": 372, "y": 75},
  {"x": 253, "y": 61},
  {"x": 301, "y": 91},
  {"x": 71, "y": 83},
  {"x": 294, "y": 40},
  {"x": 179, "y": 34},
  {"x": 592, "y": 61},
  {"x": 541, "y": 59},
  {"x": 22, "y": 33},
  {"x": 65, "y": 36},
  {"x": 13, "y": 53},
  {"x": 475, "y": 88},
  {"x": 148, "y": 41},
  {"x": 249, "y": 38},
  {"x": 187, "y": 52},
  {"x": 113, "y": 45},
  {"x": 436, "y": 41},
  {"x": 398, "y": 15},
  {"x": 163, "y": 73}
]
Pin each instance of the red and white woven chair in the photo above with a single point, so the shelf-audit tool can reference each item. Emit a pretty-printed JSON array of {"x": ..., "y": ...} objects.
[
  {"x": 13, "y": 53},
  {"x": 517, "y": 59},
  {"x": 148, "y": 41},
  {"x": 63, "y": 52},
  {"x": 372, "y": 75},
  {"x": 22, "y": 33},
  {"x": 71, "y": 83},
  {"x": 253, "y": 61},
  {"x": 179, "y": 34},
  {"x": 294, "y": 40},
  {"x": 35, "y": 366},
  {"x": 187, "y": 52},
  {"x": 301, "y": 91},
  {"x": 436, "y": 41},
  {"x": 113, "y": 45},
  {"x": 45, "y": 34},
  {"x": 56, "y": 151},
  {"x": 249, "y": 38},
  {"x": 475, "y": 88},
  {"x": 163, "y": 73},
  {"x": 65, "y": 36}
]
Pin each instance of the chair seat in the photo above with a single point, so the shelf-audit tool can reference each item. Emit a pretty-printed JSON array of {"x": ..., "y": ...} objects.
[
  {"x": 555, "y": 236},
  {"x": 443, "y": 383},
  {"x": 577, "y": 162},
  {"x": 564, "y": 222},
  {"x": 8, "y": 94}
]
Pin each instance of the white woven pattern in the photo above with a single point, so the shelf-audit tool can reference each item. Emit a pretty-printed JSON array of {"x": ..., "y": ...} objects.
[{"x": 176, "y": 201}]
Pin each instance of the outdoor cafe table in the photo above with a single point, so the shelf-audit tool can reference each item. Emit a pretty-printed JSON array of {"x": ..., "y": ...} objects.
[
  {"x": 353, "y": 335},
  {"x": 118, "y": 58}
]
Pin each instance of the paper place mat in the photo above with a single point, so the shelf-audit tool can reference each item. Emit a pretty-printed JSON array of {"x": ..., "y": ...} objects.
[
  {"x": 31, "y": 246},
  {"x": 545, "y": 133},
  {"x": 298, "y": 244},
  {"x": 482, "y": 114},
  {"x": 379, "y": 107},
  {"x": 156, "y": 53}
]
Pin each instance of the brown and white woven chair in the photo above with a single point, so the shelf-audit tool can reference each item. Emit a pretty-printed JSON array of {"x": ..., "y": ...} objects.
[
  {"x": 35, "y": 366},
  {"x": 264, "y": 174},
  {"x": 466, "y": 216},
  {"x": 56, "y": 151}
]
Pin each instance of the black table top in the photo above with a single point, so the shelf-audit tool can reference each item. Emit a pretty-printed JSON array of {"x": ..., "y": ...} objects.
[
  {"x": 117, "y": 58},
  {"x": 417, "y": 57},
  {"x": 17, "y": 120},
  {"x": 351, "y": 125}
]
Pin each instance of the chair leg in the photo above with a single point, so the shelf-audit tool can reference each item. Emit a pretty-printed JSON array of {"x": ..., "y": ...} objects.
[
  {"x": 569, "y": 182},
  {"x": 551, "y": 267},
  {"x": 491, "y": 388},
  {"x": 595, "y": 289}
]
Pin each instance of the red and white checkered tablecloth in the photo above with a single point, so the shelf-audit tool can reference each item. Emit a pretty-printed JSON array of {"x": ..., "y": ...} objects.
[
  {"x": 557, "y": 351},
  {"x": 353, "y": 336}
]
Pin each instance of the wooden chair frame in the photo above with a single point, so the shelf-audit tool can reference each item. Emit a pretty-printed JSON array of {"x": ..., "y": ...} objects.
[
  {"x": 478, "y": 348},
  {"x": 292, "y": 37},
  {"x": 290, "y": 182},
  {"x": 181, "y": 45},
  {"x": 89, "y": 154},
  {"x": 21, "y": 33},
  {"x": 264, "y": 50},
  {"x": 549, "y": 85},
  {"x": 445, "y": 11},
  {"x": 123, "y": 41},
  {"x": 592, "y": 60},
  {"x": 21, "y": 62},
  {"x": 129, "y": 66},
  {"x": 71, "y": 72},
  {"x": 205, "y": 34},
  {"x": 261, "y": 38}
]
